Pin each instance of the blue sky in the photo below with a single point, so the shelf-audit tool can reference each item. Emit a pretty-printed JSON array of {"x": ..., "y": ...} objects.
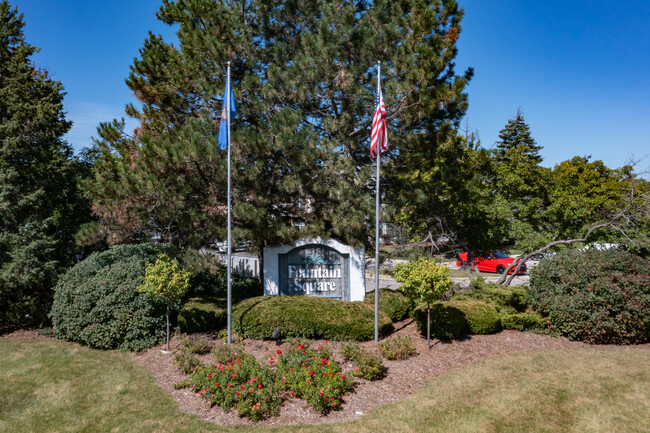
[{"x": 579, "y": 70}]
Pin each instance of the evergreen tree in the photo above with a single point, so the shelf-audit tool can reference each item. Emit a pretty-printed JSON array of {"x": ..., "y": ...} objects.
[
  {"x": 38, "y": 195},
  {"x": 304, "y": 78},
  {"x": 521, "y": 181},
  {"x": 516, "y": 144}
]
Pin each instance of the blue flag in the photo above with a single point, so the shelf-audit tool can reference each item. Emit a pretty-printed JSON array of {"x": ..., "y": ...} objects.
[{"x": 223, "y": 126}]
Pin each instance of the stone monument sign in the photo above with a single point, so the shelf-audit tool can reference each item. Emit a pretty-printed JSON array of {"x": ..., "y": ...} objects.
[{"x": 315, "y": 267}]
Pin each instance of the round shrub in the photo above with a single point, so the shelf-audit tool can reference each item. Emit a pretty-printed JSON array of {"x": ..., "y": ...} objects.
[
  {"x": 307, "y": 317},
  {"x": 392, "y": 302},
  {"x": 97, "y": 302},
  {"x": 458, "y": 318},
  {"x": 523, "y": 321},
  {"x": 594, "y": 296}
]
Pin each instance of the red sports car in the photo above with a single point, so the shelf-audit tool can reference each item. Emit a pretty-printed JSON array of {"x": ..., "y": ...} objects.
[{"x": 495, "y": 261}]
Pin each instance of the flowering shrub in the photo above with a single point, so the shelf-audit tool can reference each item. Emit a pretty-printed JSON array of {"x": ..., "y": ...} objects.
[
  {"x": 256, "y": 391},
  {"x": 397, "y": 348},
  {"x": 241, "y": 383},
  {"x": 312, "y": 374},
  {"x": 224, "y": 353}
]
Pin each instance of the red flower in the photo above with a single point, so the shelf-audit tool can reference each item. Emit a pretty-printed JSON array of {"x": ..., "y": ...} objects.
[
  {"x": 302, "y": 346},
  {"x": 199, "y": 392},
  {"x": 279, "y": 352},
  {"x": 343, "y": 377},
  {"x": 259, "y": 386},
  {"x": 237, "y": 393}
]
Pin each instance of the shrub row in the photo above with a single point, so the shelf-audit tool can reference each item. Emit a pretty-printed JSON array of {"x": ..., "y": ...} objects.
[
  {"x": 458, "y": 318},
  {"x": 307, "y": 317}
]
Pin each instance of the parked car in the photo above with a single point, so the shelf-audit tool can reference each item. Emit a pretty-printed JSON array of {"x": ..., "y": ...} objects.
[{"x": 495, "y": 261}]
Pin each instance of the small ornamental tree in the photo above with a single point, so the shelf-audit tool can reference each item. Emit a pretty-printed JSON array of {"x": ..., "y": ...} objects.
[
  {"x": 166, "y": 280},
  {"x": 423, "y": 281}
]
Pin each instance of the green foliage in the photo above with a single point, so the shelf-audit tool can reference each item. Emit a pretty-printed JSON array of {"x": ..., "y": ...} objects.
[
  {"x": 350, "y": 350},
  {"x": 458, "y": 318},
  {"x": 397, "y": 348},
  {"x": 234, "y": 337},
  {"x": 369, "y": 366},
  {"x": 308, "y": 317},
  {"x": 257, "y": 391},
  {"x": 97, "y": 302},
  {"x": 510, "y": 299},
  {"x": 202, "y": 315},
  {"x": 198, "y": 345},
  {"x": 165, "y": 279},
  {"x": 224, "y": 353},
  {"x": 40, "y": 205},
  {"x": 392, "y": 302},
  {"x": 208, "y": 279},
  {"x": 423, "y": 280},
  {"x": 594, "y": 296},
  {"x": 523, "y": 321},
  {"x": 287, "y": 87},
  {"x": 312, "y": 374},
  {"x": 187, "y": 361}
]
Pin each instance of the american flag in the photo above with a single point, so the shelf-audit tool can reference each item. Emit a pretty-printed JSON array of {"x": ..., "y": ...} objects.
[{"x": 379, "y": 136}]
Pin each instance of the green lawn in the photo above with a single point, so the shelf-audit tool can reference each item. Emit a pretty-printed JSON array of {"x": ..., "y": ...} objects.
[{"x": 55, "y": 386}]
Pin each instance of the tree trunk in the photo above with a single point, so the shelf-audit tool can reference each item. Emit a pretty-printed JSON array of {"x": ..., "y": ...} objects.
[
  {"x": 428, "y": 326},
  {"x": 167, "y": 326}
]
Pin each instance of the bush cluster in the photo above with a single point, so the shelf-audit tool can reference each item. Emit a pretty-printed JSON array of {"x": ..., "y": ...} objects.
[
  {"x": 456, "y": 319},
  {"x": 594, "y": 296},
  {"x": 202, "y": 315},
  {"x": 307, "y": 317},
  {"x": 256, "y": 391},
  {"x": 369, "y": 366},
  {"x": 392, "y": 302},
  {"x": 397, "y": 348},
  {"x": 97, "y": 302}
]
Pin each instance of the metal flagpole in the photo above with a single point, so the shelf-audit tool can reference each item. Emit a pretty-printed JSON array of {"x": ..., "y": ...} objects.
[
  {"x": 378, "y": 156},
  {"x": 227, "y": 92}
]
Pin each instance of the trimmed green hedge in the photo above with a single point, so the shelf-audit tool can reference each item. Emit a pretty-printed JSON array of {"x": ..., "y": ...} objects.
[
  {"x": 507, "y": 300},
  {"x": 307, "y": 317},
  {"x": 202, "y": 315},
  {"x": 392, "y": 302},
  {"x": 523, "y": 321},
  {"x": 97, "y": 302},
  {"x": 456, "y": 319},
  {"x": 594, "y": 296}
]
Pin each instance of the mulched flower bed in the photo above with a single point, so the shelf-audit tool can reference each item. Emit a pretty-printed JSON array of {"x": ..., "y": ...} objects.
[{"x": 403, "y": 377}]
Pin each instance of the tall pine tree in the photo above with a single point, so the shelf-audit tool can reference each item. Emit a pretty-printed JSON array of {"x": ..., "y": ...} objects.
[
  {"x": 304, "y": 78},
  {"x": 521, "y": 181},
  {"x": 38, "y": 195}
]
